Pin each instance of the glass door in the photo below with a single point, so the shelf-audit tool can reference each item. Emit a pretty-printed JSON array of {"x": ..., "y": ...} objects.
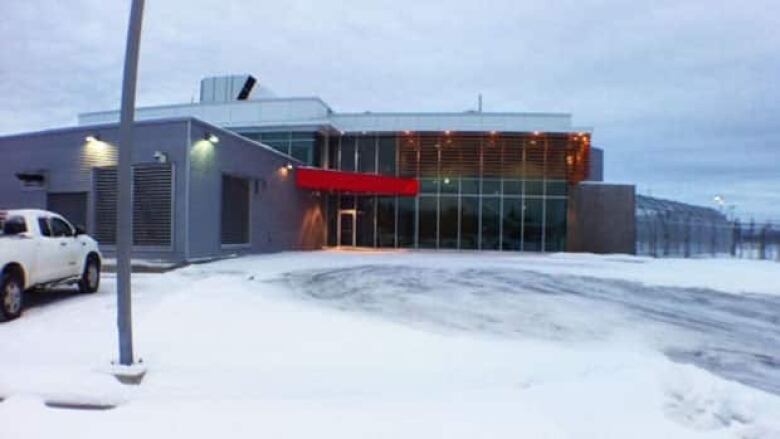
[{"x": 346, "y": 231}]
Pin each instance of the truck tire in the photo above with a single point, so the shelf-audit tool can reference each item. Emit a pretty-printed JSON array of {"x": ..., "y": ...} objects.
[
  {"x": 90, "y": 279},
  {"x": 11, "y": 295}
]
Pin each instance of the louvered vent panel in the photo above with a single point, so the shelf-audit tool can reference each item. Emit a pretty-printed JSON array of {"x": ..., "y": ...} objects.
[
  {"x": 152, "y": 192},
  {"x": 152, "y": 204},
  {"x": 105, "y": 205}
]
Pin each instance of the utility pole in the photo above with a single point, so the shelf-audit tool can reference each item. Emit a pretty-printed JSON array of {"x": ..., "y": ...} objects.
[{"x": 124, "y": 217}]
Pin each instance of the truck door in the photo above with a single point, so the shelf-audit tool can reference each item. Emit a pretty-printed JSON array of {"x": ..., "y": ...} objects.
[
  {"x": 47, "y": 260},
  {"x": 69, "y": 249}
]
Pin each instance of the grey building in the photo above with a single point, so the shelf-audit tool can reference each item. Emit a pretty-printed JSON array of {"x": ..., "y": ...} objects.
[
  {"x": 199, "y": 191},
  {"x": 245, "y": 171}
]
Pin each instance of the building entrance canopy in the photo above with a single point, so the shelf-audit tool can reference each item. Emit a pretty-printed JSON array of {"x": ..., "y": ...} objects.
[{"x": 355, "y": 182}]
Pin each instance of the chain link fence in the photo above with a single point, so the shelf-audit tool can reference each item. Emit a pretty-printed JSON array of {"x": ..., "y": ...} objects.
[
  {"x": 756, "y": 240},
  {"x": 667, "y": 228}
]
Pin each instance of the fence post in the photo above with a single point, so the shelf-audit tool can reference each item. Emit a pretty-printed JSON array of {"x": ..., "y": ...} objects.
[{"x": 762, "y": 243}]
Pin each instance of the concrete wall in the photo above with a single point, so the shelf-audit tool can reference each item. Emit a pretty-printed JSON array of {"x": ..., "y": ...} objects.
[
  {"x": 602, "y": 218},
  {"x": 282, "y": 217}
]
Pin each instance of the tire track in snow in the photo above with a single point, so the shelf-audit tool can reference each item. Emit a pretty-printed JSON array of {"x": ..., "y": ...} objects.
[{"x": 736, "y": 337}]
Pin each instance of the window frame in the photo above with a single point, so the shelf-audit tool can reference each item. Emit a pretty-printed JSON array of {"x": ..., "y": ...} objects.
[
  {"x": 23, "y": 220},
  {"x": 52, "y": 221},
  {"x": 46, "y": 233}
]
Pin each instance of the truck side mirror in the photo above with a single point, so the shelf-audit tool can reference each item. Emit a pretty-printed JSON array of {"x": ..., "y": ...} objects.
[{"x": 80, "y": 230}]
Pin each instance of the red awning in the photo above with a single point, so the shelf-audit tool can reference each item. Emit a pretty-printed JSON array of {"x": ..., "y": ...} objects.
[{"x": 354, "y": 182}]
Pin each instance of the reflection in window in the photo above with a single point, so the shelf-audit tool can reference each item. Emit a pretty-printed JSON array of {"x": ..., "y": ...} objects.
[
  {"x": 429, "y": 185},
  {"x": 347, "y": 154},
  {"x": 449, "y": 185},
  {"x": 491, "y": 186},
  {"x": 385, "y": 222},
  {"x": 43, "y": 226},
  {"x": 469, "y": 222},
  {"x": 491, "y": 216},
  {"x": 347, "y": 202},
  {"x": 60, "y": 228},
  {"x": 513, "y": 187},
  {"x": 302, "y": 151},
  {"x": 469, "y": 186},
  {"x": 367, "y": 154},
  {"x": 318, "y": 151},
  {"x": 448, "y": 222},
  {"x": 427, "y": 222},
  {"x": 532, "y": 230},
  {"x": 386, "y": 151},
  {"x": 333, "y": 152},
  {"x": 512, "y": 227},
  {"x": 555, "y": 226},
  {"x": 534, "y": 188},
  {"x": 279, "y": 141},
  {"x": 556, "y": 188},
  {"x": 365, "y": 222},
  {"x": 406, "y": 215}
]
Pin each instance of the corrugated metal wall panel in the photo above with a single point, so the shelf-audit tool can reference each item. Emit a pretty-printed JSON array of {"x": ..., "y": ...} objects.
[{"x": 152, "y": 204}]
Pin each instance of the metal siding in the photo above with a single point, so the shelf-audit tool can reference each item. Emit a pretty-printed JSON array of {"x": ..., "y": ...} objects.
[
  {"x": 67, "y": 161},
  {"x": 282, "y": 216},
  {"x": 602, "y": 218},
  {"x": 292, "y": 112}
]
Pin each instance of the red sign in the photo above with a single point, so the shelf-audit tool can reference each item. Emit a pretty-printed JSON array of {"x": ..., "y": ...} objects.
[{"x": 355, "y": 182}]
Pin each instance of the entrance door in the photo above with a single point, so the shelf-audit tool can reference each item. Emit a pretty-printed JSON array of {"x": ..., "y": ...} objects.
[{"x": 346, "y": 232}]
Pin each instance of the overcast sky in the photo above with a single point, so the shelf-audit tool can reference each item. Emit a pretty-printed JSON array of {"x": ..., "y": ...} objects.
[{"x": 682, "y": 95}]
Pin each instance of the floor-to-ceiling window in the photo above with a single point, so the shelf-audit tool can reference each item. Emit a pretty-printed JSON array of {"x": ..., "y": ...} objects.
[
  {"x": 478, "y": 191},
  {"x": 385, "y": 221}
]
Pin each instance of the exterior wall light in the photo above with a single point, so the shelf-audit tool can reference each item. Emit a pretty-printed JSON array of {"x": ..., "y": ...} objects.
[
  {"x": 212, "y": 138},
  {"x": 97, "y": 153},
  {"x": 289, "y": 166}
]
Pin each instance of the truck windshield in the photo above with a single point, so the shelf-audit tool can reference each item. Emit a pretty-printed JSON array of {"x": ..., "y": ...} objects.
[{"x": 13, "y": 225}]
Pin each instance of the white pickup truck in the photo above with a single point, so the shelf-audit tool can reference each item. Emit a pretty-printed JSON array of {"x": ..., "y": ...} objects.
[{"x": 40, "y": 249}]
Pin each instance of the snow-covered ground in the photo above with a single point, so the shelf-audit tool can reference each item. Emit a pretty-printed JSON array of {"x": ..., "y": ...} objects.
[{"x": 410, "y": 344}]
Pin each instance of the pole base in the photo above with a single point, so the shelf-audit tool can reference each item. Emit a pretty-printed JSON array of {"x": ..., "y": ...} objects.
[{"x": 129, "y": 375}]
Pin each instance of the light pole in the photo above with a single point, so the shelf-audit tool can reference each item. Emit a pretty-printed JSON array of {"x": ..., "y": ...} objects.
[{"x": 124, "y": 217}]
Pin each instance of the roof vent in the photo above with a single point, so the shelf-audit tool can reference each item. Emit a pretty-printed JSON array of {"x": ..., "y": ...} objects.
[{"x": 220, "y": 89}]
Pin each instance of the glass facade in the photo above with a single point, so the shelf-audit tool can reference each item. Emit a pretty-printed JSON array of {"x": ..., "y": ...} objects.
[
  {"x": 304, "y": 146},
  {"x": 477, "y": 191}
]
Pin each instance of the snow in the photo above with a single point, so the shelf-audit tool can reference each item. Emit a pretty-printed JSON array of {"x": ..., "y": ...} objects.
[{"x": 409, "y": 344}]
